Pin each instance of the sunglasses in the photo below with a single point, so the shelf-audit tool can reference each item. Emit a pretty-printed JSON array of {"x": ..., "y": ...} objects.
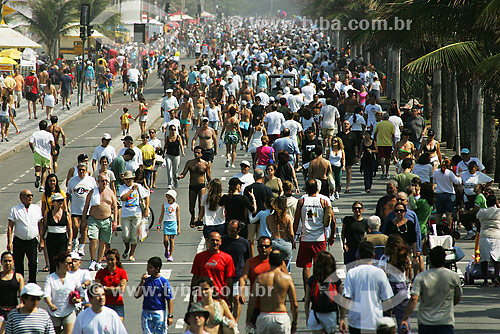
[
  {"x": 265, "y": 246},
  {"x": 400, "y": 199},
  {"x": 399, "y": 211},
  {"x": 69, "y": 263},
  {"x": 81, "y": 169},
  {"x": 28, "y": 195},
  {"x": 357, "y": 208},
  {"x": 33, "y": 298}
]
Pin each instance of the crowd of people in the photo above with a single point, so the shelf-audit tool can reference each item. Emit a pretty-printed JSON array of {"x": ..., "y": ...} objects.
[{"x": 303, "y": 109}]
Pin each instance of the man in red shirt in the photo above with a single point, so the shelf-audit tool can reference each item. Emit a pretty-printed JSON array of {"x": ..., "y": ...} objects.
[
  {"x": 215, "y": 264},
  {"x": 32, "y": 87}
]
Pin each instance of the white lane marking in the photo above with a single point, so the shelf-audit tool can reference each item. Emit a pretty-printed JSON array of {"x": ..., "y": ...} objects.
[
  {"x": 15, "y": 180},
  {"x": 22, "y": 175},
  {"x": 226, "y": 170},
  {"x": 3, "y": 188},
  {"x": 335, "y": 209},
  {"x": 166, "y": 273},
  {"x": 201, "y": 246},
  {"x": 223, "y": 178},
  {"x": 179, "y": 323}
]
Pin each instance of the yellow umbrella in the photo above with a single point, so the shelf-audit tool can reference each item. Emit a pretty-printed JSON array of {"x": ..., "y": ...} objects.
[
  {"x": 7, "y": 60},
  {"x": 11, "y": 53}
]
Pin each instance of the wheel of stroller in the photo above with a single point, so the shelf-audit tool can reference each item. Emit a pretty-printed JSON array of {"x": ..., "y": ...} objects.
[{"x": 462, "y": 281}]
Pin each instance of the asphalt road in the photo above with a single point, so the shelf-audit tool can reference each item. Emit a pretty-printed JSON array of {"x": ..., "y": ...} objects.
[{"x": 478, "y": 312}]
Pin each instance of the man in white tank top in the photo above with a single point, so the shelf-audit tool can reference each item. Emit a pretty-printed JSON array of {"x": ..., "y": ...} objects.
[{"x": 315, "y": 213}]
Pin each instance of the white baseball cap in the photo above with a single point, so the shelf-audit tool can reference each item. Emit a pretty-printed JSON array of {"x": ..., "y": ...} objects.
[
  {"x": 106, "y": 136},
  {"x": 32, "y": 289}
]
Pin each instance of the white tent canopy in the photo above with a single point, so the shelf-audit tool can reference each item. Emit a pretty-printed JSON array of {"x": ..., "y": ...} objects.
[
  {"x": 9, "y": 38},
  {"x": 206, "y": 14},
  {"x": 178, "y": 17}
]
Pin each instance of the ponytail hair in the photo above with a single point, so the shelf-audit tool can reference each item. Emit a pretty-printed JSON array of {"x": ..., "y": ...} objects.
[{"x": 446, "y": 164}]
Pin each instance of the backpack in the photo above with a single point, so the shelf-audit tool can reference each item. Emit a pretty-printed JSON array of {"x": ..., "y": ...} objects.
[{"x": 323, "y": 295}]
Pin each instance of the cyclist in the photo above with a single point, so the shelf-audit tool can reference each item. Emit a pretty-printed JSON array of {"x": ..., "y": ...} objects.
[
  {"x": 133, "y": 77},
  {"x": 102, "y": 89},
  {"x": 110, "y": 79},
  {"x": 145, "y": 68}
]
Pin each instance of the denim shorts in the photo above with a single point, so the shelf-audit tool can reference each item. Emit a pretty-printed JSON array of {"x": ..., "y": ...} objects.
[
  {"x": 445, "y": 202},
  {"x": 119, "y": 309}
]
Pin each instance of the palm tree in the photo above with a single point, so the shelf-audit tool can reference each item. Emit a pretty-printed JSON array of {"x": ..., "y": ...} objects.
[{"x": 49, "y": 20}]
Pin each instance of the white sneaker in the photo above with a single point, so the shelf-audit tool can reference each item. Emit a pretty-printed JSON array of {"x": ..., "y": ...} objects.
[
  {"x": 337, "y": 195},
  {"x": 81, "y": 250},
  {"x": 98, "y": 266},
  {"x": 92, "y": 266}
]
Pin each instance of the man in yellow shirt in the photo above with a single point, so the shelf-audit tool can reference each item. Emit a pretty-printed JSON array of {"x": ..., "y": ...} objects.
[
  {"x": 148, "y": 158},
  {"x": 384, "y": 137}
]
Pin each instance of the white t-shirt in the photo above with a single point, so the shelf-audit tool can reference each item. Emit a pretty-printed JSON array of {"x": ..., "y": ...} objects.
[
  {"x": 295, "y": 102},
  {"x": 444, "y": 181},
  {"x": 330, "y": 115},
  {"x": 59, "y": 292},
  {"x": 294, "y": 127},
  {"x": 247, "y": 180},
  {"x": 470, "y": 180},
  {"x": 312, "y": 219},
  {"x": 78, "y": 189},
  {"x": 82, "y": 275},
  {"x": 131, "y": 206},
  {"x": 167, "y": 104},
  {"x": 370, "y": 110},
  {"x": 212, "y": 218},
  {"x": 170, "y": 213},
  {"x": 424, "y": 172},
  {"x": 155, "y": 143},
  {"x": 358, "y": 125},
  {"x": 308, "y": 92},
  {"x": 274, "y": 121},
  {"x": 367, "y": 286},
  {"x": 41, "y": 143},
  {"x": 106, "y": 321},
  {"x": 109, "y": 173},
  {"x": 464, "y": 165},
  {"x": 108, "y": 151},
  {"x": 398, "y": 123},
  {"x": 133, "y": 75},
  {"x": 213, "y": 113},
  {"x": 136, "y": 161}
]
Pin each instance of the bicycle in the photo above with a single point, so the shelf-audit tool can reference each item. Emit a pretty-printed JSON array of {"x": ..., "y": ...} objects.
[
  {"x": 151, "y": 218},
  {"x": 100, "y": 101}
]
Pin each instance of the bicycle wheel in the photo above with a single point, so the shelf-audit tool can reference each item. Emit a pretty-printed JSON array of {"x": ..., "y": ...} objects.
[{"x": 151, "y": 218}]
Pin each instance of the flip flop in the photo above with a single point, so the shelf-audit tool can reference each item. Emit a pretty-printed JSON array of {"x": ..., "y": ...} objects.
[
  {"x": 45, "y": 269},
  {"x": 191, "y": 223}
]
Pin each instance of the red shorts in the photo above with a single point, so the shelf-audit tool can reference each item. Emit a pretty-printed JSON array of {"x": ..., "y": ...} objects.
[
  {"x": 384, "y": 151},
  {"x": 308, "y": 251}
]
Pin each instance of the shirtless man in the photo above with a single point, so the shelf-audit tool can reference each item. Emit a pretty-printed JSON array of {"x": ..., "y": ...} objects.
[
  {"x": 198, "y": 169},
  {"x": 208, "y": 141},
  {"x": 320, "y": 168},
  {"x": 233, "y": 136},
  {"x": 246, "y": 93},
  {"x": 199, "y": 107},
  {"x": 56, "y": 131},
  {"x": 102, "y": 219},
  {"x": 273, "y": 287},
  {"x": 245, "y": 119},
  {"x": 186, "y": 113},
  {"x": 43, "y": 76}
]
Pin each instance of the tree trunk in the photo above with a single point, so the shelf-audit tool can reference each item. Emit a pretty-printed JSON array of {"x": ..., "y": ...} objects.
[
  {"x": 465, "y": 114},
  {"x": 427, "y": 97},
  {"x": 477, "y": 128},
  {"x": 436, "y": 104},
  {"x": 397, "y": 76},
  {"x": 489, "y": 135},
  {"x": 456, "y": 109}
]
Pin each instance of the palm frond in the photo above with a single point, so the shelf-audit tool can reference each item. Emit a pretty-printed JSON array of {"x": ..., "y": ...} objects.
[{"x": 461, "y": 56}]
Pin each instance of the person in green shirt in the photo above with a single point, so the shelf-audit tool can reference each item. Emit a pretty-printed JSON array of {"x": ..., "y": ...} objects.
[
  {"x": 469, "y": 218},
  {"x": 423, "y": 208},
  {"x": 119, "y": 166},
  {"x": 404, "y": 179}
]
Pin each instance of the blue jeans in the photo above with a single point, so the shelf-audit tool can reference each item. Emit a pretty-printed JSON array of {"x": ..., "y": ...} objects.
[
  {"x": 154, "y": 322},
  {"x": 439, "y": 329},
  {"x": 399, "y": 310},
  {"x": 285, "y": 246}
]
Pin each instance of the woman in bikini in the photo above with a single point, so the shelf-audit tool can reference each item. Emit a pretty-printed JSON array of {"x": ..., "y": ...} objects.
[
  {"x": 143, "y": 114},
  {"x": 431, "y": 146},
  {"x": 403, "y": 149}
]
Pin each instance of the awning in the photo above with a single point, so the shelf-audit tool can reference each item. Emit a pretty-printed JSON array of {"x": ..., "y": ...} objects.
[
  {"x": 207, "y": 14},
  {"x": 9, "y": 38}
]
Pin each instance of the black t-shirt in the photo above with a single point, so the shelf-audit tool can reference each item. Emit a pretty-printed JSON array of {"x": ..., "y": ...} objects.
[
  {"x": 66, "y": 82},
  {"x": 235, "y": 206},
  {"x": 239, "y": 251},
  {"x": 407, "y": 232},
  {"x": 354, "y": 231},
  {"x": 349, "y": 141},
  {"x": 357, "y": 83},
  {"x": 261, "y": 192},
  {"x": 308, "y": 146}
]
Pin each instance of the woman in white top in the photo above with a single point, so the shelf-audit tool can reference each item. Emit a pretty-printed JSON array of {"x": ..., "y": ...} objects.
[
  {"x": 58, "y": 293},
  {"x": 49, "y": 99},
  {"x": 214, "y": 115},
  {"x": 444, "y": 179},
  {"x": 375, "y": 88},
  {"x": 336, "y": 157},
  {"x": 211, "y": 212},
  {"x": 4, "y": 118},
  {"x": 423, "y": 168},
  {"x": 489, "y": 238},
  {"x": 256, "y": 134}
]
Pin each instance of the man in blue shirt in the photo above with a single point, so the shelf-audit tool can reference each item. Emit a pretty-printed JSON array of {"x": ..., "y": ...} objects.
[
  {"x": 157, "y": 297},
  {"x": 285, "y": 143}
]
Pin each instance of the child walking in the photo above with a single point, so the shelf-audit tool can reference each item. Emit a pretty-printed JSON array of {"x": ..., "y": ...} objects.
[
  {"x": 125, "y": 121},
  {"x": 157, "y": 306},
  {"x": 171, "y": 218}
]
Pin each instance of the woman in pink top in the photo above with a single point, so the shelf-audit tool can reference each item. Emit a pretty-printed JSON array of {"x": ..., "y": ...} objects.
[
  {"x": 265, "y": 154},
  {"x": 362, "y": 95}
]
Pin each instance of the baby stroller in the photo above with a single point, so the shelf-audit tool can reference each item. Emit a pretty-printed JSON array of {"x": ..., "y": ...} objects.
[{"x": 453, "y": 254}]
